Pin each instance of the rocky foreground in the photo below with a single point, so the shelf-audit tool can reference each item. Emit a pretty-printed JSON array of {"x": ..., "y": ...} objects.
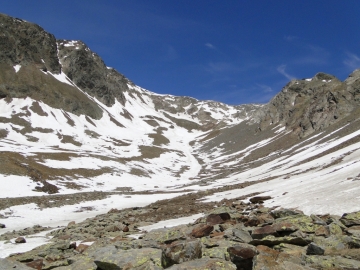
[{"x": 233, "y": 235}]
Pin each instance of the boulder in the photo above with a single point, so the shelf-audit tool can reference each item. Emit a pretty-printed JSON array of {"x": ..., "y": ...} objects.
[
  {"x": 242, "y": 255},
  {"x": 271, "y": 259},
  {"x": 20, "y": 240},
  {"x": 331, "y": 262},
  {"x": 6, "y": 264},
  {"x": 81, "y": 248},
  {"x": 323, "y": 231},
  {"x": 36, "y": 264},
  {"x": 284, "y": 212},
  {"x": 241, "y": 235},
  {"x": 261, "y": 232},
  {"x": 168, "y": 235},
  {"x": 111, "y": 258},
  {"x": 271, "y": 240},
  {"x": 303, "y": 222},
  {"x": 2, "y": 226},
  {"x": 314, "y": 249},
  {"x": 351, "y": 219},
  {"x": 182, "y": 251},
  {"x": 259, "y": 199},
  {"x": 214, "y": 219},
  {"x": 202, "y": 230},
  {"x": 204, "y": 264}
]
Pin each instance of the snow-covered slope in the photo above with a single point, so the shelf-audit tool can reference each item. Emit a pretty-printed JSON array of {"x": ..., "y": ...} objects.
[{"x": 75, "y": 134}]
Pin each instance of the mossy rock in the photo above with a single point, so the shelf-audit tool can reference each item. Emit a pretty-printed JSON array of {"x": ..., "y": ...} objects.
[{"x": 351, "y": 219}]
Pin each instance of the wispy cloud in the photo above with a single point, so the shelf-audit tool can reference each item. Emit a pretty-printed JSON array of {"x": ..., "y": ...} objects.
[
  {"x": 281, "y": 70},
  {"x": 221, "y": 67},
  {"x": 210, "y": 46},
  {"x": 290, "y": 38},
  {"x": 352, "y": 61},
  {"x": 264, "y": 88}
]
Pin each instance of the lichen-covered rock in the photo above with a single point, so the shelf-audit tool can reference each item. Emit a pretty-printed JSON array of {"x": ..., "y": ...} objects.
[
  {"x": 111, "y": 258},
  {"x": 214, "y": 219},
  {"x": 168, "y": 235},
  {"x": 285, "y": 212},
  {"x": 351, "y": 219},
  {"x": 271, "y": 240},
  {"x": 182, "y": 251},
  {"x": 271, "y": 259},
  {"x": 303, "y": 222},
  {"x": 7, "y": 264},
  {"x": 331, "y": 262},
  {"x": 314, "y": 249},
  {"x": 204, "y": 264},
  {"x": 202, "y": 230},
  {"x": 242, "y": 255}
]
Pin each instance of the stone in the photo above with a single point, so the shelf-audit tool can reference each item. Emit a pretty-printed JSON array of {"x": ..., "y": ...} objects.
[
  {"x": 182, "y": 251},
  {"x": 36, "y": 264},
  {"x": 284, "y": 212},
  {"x": 241, "y": 235},
  {"x": 204, "y": 263},
  {"x": 303, "y": 222},
  {"x": 314, "y": 249},
  {"x": 351, "y": 219},
  {"x": 71, "y": 224},
  {"x": 271, "y": 240},
  {"x": 242, "y": 256},
  {"x": 335, "y": 229},
  {"x": 168, "y": 235},
  {"x": 285, "y": 227},
  {"x": 323, "y": 231},
  {"x": 259, "y": 199},
  {"x": 202, "y": 230},
  {"x": 331, "y": 262},
  {"x": 261, "y": 232},
  {"x": 2, "y": 226},
  {"x": 214, "y": 219},
  {"x": 7, "y": 264},
  {"x": 81, "y": 248},
  {"x": 110, "y": 258},
  {"x": 271, "y": 259},
  {"x": 317, "y": 220},
  {"x": 20, "y": 240}
]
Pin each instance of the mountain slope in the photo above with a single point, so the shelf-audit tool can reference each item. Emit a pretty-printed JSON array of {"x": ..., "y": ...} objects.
[{"x": 73, "y": 130}]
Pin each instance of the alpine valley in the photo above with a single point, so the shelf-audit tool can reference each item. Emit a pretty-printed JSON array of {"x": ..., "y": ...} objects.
[{"x": 99, "y": 173}]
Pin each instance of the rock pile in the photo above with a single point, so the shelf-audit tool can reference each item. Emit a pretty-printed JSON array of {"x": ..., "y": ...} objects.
[{"x": 238, "y": 235}]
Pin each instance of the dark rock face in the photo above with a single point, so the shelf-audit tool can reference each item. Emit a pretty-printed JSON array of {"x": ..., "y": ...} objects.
[
  {"x": 87, "y": 70},
  {"x": 314, "y": 249},
  {"x": 26, "y": 43}
]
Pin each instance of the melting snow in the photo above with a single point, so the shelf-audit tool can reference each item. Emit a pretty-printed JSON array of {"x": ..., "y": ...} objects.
[{"x": 17, "y": 68}]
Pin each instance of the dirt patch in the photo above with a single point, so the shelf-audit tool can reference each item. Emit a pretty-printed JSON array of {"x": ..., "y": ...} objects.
[
  {"x": 36, "y": 108},
  {"x": 70, "y": 139}
]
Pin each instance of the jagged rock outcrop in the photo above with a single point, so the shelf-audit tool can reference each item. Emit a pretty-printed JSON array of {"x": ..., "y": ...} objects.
[
  {"x": 310, "y": 105},
  {"x": 24, "y": 43},
  {"x": 87, "y": 70}
]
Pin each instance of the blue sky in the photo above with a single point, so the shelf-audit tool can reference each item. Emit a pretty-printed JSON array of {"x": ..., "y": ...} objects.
[{"x": 231, "y": 51}]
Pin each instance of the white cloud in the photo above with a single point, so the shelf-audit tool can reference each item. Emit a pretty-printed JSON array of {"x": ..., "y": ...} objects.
[
  {"x": 281, "y": 70},
  {"x": 352, "y": 61},
  {"x": 210, "y": 46},
  {"x": 265, "y": 88}
]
